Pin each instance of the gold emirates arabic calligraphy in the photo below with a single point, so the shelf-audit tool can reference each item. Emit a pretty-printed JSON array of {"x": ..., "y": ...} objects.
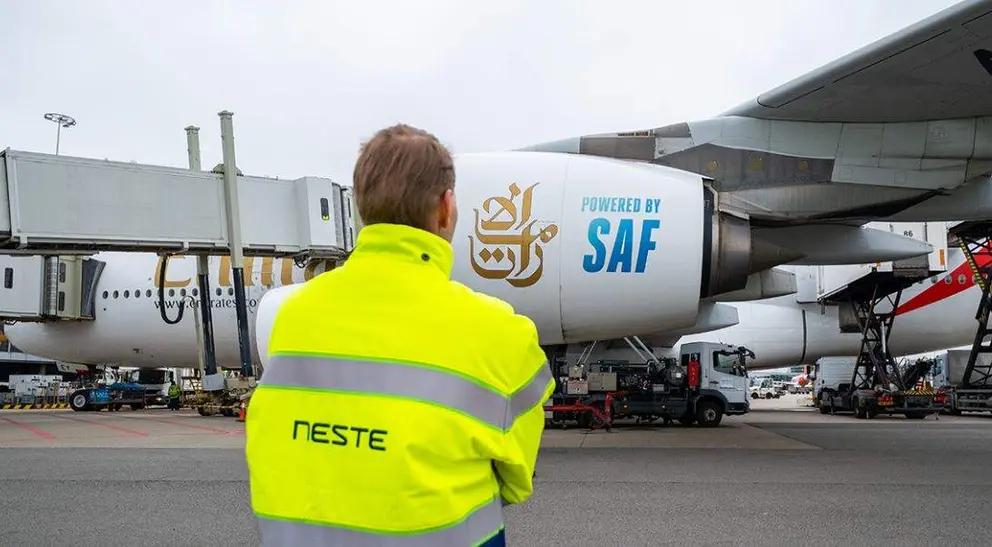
[{"x": 508, "y": 234}]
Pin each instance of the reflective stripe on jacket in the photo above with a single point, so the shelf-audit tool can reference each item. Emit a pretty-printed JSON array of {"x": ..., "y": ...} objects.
[{"x": 398, "y": 407}]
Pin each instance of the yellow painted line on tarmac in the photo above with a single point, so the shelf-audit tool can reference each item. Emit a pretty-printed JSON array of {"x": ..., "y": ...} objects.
[{"x": 22, "y": 406}]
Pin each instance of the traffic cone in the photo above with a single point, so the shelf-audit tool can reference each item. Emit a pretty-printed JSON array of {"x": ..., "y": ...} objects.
[{"x": 242, "y": 413}]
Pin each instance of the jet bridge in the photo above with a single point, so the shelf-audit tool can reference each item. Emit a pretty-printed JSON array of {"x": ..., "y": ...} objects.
[
  {"x": 54, "y": 209},
  {"x": 58, "y": 205}
]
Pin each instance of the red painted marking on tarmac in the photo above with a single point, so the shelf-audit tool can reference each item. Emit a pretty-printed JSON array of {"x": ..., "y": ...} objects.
[
  {"x": 32, "y": 429},
  {"x": 180, "y": 424},
  {"x": 132, "y": 432}
]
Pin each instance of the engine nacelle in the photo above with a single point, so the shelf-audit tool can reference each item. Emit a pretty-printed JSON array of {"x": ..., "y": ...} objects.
[{"x": 589, "y": 248}]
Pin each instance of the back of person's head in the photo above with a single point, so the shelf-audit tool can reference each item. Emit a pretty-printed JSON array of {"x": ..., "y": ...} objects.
[{"x": 404, "y": 175}]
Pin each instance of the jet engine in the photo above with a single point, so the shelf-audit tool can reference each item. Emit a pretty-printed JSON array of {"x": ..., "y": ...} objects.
[{"x": 589, "y": 248}]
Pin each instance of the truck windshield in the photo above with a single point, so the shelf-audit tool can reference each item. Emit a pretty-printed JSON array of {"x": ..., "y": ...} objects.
[
  {"x": 152, "y": 377},
  {"x": 728, "y": 364}
]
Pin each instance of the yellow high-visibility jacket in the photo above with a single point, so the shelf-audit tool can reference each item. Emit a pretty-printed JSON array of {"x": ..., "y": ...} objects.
[{"x": 398, "y": 407}]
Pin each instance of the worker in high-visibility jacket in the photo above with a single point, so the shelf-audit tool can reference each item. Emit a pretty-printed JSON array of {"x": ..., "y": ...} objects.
[
  {"x": 174, "y": 393},
  {"x": 398, "y": 407}
]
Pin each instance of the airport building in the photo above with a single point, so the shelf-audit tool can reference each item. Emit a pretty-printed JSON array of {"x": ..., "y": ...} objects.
[{"x": 15, "y": 361}]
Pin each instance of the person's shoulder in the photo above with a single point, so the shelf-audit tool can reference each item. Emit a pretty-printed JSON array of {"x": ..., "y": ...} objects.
[
  {"x": 477, "y": 299},
  {"x": 497, "y": 310}
]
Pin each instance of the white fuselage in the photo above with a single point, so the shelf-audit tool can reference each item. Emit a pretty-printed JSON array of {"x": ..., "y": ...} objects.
[{"x": 128, "y": 329}]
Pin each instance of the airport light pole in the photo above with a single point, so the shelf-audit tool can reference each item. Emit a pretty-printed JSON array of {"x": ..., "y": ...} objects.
[{"x": 61, "y": 120}]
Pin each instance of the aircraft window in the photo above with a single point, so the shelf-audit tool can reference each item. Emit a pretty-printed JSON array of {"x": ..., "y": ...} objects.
[
  {"x": 182, "y": 292},
  {"x": 127, "y": 294},
  {"x": 61, "y": 272},
  {"x": 61, "y": 301},
  {"x": 194, "y": 292},
  {"x": 105, "y": 295},
  {"x": 137, "y": 293},
  {"x": 8, "y": 278},
  {"x": 230, "y": 291},
  {"x": 172, "y": 292},
  {"x": 116, "y": 294},
  {"x": 961, "y": 279},
  {"x": 219, "y": 291},
  {"x": 148, "y": 293},
  {"x": 948, "y": 280}
]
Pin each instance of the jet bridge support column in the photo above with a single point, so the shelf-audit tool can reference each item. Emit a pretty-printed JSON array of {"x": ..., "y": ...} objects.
[
  {"x": 234, "y": 233},
  {"x": 209, "y": 364}
]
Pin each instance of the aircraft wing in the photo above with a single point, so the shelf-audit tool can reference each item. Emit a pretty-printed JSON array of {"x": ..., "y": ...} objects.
[
  {"x": 939, "y": 68},
  {"x": 899, "y": 130}
]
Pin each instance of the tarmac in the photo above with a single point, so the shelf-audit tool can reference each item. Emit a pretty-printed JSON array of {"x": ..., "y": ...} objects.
[{"x": 780, "y": 475}]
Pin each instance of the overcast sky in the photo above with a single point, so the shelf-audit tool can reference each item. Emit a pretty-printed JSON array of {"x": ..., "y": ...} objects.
[{"x": 308, "y": 81}]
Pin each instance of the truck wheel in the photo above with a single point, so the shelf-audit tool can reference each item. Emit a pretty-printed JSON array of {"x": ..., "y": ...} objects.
[
  {"x": 708, "y": 413},
  {"x": 824, "y": 408},
  {"x": 754, "y": 394},
  {"x": 78, "y": 401},
  {"x": 860, "y": 410}
]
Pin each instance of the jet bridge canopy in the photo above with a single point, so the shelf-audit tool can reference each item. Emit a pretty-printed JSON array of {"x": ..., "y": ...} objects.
[{"x": 60, "y": 205}]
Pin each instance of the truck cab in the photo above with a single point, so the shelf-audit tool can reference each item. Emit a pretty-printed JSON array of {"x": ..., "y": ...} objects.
[
  {"x": 155, "y": 383},
  {"x": 724, "y": 379}
]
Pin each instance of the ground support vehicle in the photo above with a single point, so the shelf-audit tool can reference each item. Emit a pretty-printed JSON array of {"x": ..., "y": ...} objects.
[
  {"x": 706, "y": 383},
  {"x": 877, "y": 385},
  {"x": 112, "y": 397},
  {"x": 765, "y": 390},
  {"x": 226, "y": 402},
  {"x": 948, "y": 379},
  {"x": 973, "y": 392}
]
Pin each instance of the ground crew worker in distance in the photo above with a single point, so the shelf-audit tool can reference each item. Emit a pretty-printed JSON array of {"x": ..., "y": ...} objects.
[
  {"x": 174, "y": 393},
  {"x": 399, "y": 407}
]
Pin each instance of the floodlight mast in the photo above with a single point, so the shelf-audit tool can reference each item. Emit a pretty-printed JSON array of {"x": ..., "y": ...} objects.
[{"x": 61, "y": 120}]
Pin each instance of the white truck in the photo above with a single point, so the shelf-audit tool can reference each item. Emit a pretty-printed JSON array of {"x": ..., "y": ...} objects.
[
  {"x": 948, "y": 379},
  {"x": 764, "y": 388},
  {"x": 155, "y": 382},
  {"x": 707, "y": 381},
  {"x": 831, "y": 375}
]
